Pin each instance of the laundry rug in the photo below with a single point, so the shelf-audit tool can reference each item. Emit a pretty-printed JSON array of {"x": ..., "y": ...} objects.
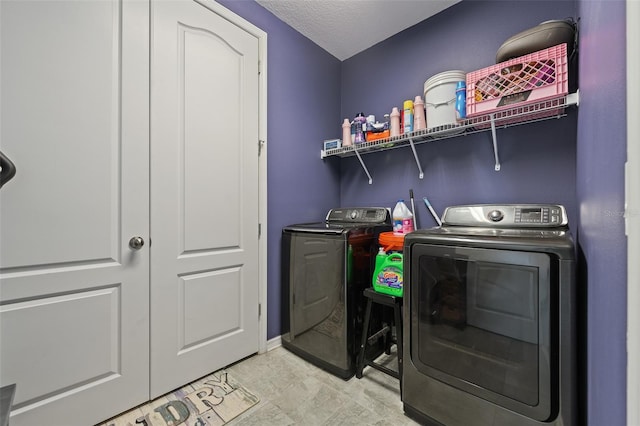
[{"x": 211, "y": 401}]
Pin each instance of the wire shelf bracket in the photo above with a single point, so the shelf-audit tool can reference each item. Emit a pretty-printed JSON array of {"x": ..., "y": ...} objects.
[
  {"x": 495, "y": 143},
  {"x": 364, "y": 167},
  {"x": 415, "y": 155}
]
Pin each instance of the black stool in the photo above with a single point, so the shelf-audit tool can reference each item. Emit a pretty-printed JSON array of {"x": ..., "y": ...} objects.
[{"x": 385, "y": 332}]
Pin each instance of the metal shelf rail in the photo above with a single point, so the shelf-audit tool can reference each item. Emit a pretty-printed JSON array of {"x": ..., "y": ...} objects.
[{"x": 524, "y": 114}]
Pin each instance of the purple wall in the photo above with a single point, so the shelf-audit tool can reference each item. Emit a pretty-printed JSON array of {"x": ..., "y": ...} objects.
[
  {"x": 538, "y": 160},
  {"x": 601, "y": 154},
  {"x": 576, "y": 161},
  {"x": 303, "y": 102}
]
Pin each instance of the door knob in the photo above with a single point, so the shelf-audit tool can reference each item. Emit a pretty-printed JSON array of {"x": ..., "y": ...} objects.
[
  {"x": 7, "y": 169},
  {"x": 136, "y": 243}
]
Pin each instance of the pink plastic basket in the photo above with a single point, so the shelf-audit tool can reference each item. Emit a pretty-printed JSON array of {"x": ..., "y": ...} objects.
[{"x": 529, "y": 79}]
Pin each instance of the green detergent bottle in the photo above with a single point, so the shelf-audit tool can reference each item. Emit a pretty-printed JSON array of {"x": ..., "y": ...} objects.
[{"x": 387, "y": 277}]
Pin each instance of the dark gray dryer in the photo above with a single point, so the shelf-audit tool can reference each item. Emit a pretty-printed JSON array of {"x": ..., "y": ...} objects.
[
  {"x": 325, "y": 268},
  {"x": 489, "y": 314}
]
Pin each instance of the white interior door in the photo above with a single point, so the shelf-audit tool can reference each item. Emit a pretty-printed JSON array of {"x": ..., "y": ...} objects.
[
  {"x": 204, "y": 193},
  {"x": 73, "y": 295}
]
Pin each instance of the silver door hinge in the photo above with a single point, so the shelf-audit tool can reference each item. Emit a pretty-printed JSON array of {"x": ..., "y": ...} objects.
[
  {"x": 260, "y": 145},
  {"x": 259, "y": 230}
]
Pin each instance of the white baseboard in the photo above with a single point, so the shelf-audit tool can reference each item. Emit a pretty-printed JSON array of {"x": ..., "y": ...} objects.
[{"x": 274, "y": 343}]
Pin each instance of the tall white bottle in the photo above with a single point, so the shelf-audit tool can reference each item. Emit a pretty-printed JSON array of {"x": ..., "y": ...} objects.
[{"x": 402, "y": 219}]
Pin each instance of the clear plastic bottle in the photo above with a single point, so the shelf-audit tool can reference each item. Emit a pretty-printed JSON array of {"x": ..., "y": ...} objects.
[
  {"x": 360, "y": 125},
  {"x": 402, "y": 219}
]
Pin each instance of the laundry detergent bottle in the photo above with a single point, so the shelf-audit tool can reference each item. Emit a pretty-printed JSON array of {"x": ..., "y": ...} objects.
[{"x": 387, "y": 277}]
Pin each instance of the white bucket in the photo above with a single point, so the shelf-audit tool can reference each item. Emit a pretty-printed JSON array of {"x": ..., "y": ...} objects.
[{"x": 440, "y": 98}]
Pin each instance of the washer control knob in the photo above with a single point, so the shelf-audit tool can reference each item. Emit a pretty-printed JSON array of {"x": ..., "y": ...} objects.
[
  {"x": 496, "y": 215},
  {"x": 354, "y": 214}
]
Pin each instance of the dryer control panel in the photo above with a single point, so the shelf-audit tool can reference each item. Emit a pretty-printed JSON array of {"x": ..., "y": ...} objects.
[{"x": 507, "y": 215}]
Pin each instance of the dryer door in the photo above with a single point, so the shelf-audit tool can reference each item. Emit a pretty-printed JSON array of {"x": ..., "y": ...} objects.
[{"x": 482, "y": 320}]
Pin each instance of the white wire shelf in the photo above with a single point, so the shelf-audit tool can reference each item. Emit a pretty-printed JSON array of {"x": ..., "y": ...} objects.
[{"x": 544, "y": 110}]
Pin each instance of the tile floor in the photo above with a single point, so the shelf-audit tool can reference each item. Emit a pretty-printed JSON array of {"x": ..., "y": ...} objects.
[{"x": 295, "y": 392}]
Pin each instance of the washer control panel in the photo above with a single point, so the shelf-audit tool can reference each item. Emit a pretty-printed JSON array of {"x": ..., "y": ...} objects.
[
  {"x": 541, "y": 215},
  {"x": 359, "y": 215},
  {"x": 507, "y": 215}
]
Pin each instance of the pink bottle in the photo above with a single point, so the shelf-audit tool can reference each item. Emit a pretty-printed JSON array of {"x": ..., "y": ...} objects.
[
  {"x": 394, "y": 126},
  {"x": 346, "y": 132},
  {"x": 419, "y": 120}
]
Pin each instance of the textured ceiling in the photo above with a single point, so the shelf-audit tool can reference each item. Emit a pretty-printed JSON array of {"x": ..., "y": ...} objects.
[{"x": 347, "y": 27}]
